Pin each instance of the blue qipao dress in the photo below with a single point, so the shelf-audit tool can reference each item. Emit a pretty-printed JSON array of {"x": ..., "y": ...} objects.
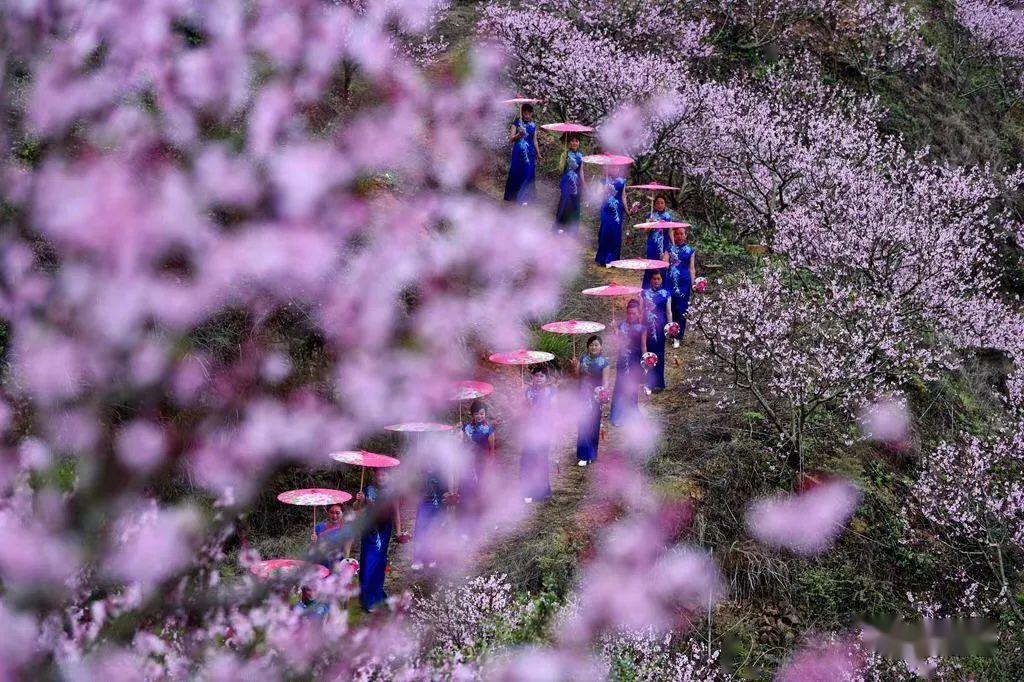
[
  {"x": 657, "y": 244},
  {"x": 591, "y": 373},
  {"x": 628, "y": 373},
  {"x": 656, "y": 309},
  {"x": 522, "y": 170},
  {"x": 330, "y": 544},
  {"x": 373, "y": 549},
  {"x": 429, "y": 517},
  {"x": 534, "y": 474},
  {"x": 567, "y": 217},
  {"x": 613, "y": 215},
  {"x": 314, "y": 609},
  {"x": 478, "y": 436},
  {"x": 680, "y": 285}
]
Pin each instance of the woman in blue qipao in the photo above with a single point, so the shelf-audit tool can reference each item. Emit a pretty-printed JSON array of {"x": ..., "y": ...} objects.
[
  {"x": 613, "y": 215},
  {"x": 534, "y": 466},
  {"x": 632, "y": 344},
  {"x": 382, "y": 518},
  {"x": 658, "y": 313},
  {"x": 682, "y": 272},
  {"x": 332, "y": 540},
  {"x": 567, "y": 217},
  {"x": 479, "y": 434},
  {"x": 657, "y": 240},
  {"x": 522, "y": 170},
  {"x": 593, "y": 371},
  {"x": 429, "y": 516}
]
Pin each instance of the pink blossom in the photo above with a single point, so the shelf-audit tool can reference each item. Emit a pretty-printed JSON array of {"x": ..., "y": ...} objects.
[
  {"x": 152, "y": 544},
  {"x": 807, "y": 523},
  {"x": 886, "y": 421},
  {"x": 823, "y": 661},
  {"x": 142, "y": 445}
]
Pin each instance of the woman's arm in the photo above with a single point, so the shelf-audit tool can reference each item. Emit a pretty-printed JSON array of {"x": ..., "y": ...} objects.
[
  {"x": 693, "y": 267},
  {"x": 643, "y": 344},
  {"x": 668, "y": 308},
  {"x": 490, "y": 443},
  {"x": 515, "y": 134},
  {"x": 536, "y": 148}
]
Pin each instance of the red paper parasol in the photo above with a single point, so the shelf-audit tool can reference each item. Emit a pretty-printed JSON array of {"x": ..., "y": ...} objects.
[
  {"x": 612, "y": 290},
  {"x": 314, "y": 497},
  {"x": 660, "y": 225},
  {"x": 638, "y": 264},
  {"x": 286, "y": 568},
  {"x": 419, "y": 427},
  {"x": 608, "y": 160},
  {"x": 573, "y": 327},
  {"x": 521, "y": 100},
  {"x": 655, "y": 187},
  {"x": 471, "y": 390},
  {"x": 521, "y": 357},
  {"x": 562, "y": 128}
]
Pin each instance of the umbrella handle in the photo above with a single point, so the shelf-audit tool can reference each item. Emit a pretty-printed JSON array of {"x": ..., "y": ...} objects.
[
  {"x": 362, "y": 474},
  {"x": 314, "y": 518}
]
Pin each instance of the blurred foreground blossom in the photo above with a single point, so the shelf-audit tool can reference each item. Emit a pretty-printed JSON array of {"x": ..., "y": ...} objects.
[
  {"x": 838, "y": 661},
  {"x": 886, "y": 421},
  {"x": 808, "y": 522}
]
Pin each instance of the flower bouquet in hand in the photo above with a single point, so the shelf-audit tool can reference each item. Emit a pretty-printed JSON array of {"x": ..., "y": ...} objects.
[{"x": 648, "y": 361}]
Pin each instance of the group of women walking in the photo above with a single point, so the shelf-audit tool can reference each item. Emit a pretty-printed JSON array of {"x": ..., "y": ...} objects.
[
  {"x": 646, "y": 327},
  {"x": 665, "y": 298}
]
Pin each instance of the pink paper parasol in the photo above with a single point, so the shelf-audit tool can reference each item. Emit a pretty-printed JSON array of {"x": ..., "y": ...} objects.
[
  {"x": 612, "y": 290},
  {"x": 561, "y": 128},
  {"x": 314, "y": 497},
  {"x": 660, "y": 225},
  {"x": 286, "y": 568},
  {"x": 471, "y": 390},
  {"x": 608, "y": 160},
  {"x": 521, "y": 100},
  {"x": 419, "y": 427},
  {"x": 521, "y": 357},
  {"x": 638, "y": 264},
  {"x": 363, "y": 459},
  {"x": 654, "y": 187},
  {"x": 573, "y": 327}
]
